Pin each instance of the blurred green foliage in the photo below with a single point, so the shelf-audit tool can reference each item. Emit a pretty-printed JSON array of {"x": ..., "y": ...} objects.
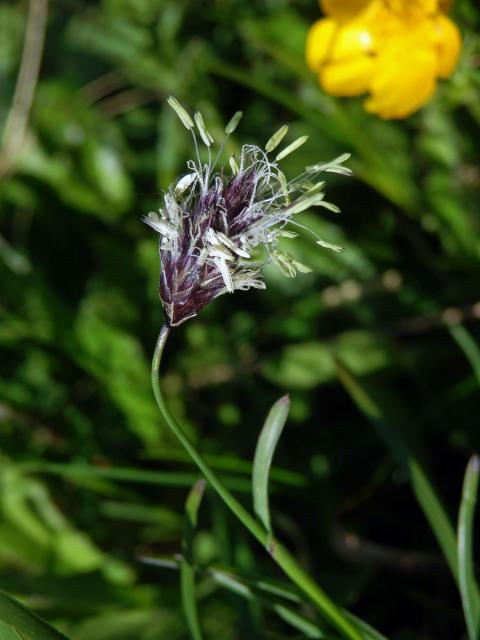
[{"x": 79, "y": 314}]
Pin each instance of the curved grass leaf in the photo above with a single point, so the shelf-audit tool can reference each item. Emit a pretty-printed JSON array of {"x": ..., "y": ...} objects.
[
  {"x": 187, "y": 569},
  {"x": 128, "y": 474},
  {"x": 231, "y": 463},
  {"x": 466, "y": 570},
  {"x": 469, "y": 347},
  {"x": 245, "y": 588},
  {"x": 421, "y": 485},
  {"x": 369, "y": 632},
  {"x": 8, "y": 633},
  {"x": 26, "y": 622},
  {"x": 273, "y": 595},
  {"x": 267, "y": 442}
]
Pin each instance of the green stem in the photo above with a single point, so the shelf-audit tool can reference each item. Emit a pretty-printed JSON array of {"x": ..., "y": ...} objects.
[{"x": 279, "y": 553}]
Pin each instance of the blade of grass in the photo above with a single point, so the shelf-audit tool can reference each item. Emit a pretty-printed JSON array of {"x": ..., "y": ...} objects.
[
  {"x": 297, "y": 621},
  {"x": 421, "y": 485},
  {"x": 233, "y": 583},
  {"x": 187, "y": 569},
  {"x": 466, "y": 565},
  {"x": 370, "y": 632},
  {"x": 273, "y": 595},
  {"x": 267, "y": 442},
  {"x": 128, "y": 474},
  {"x": 230, "y": 463},
  {"x": 270, "y": 596},
  {"x": 469, "y": 347},
  {"x": 434, "y": 512},
  {"x": 26, "y": 622},
  {"x": 8, "y": 633}
]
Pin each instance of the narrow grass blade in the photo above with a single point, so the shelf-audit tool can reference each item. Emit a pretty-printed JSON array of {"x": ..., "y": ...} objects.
[
  {"x": 278, "y": 597},
  {"x": 237, "y": 585},
  {"x": 274, "y": 595},
  {"x": 469, "y": 347},
  {"x": 187, "y": 569},
  {"x": 369, "y": 632},
  {"x": 26, "y": 622},
  {"x": 128, "y": 474},
  {"x": 8, "y": 633},
  {"x": 421, "y": 485},
  {"x": 267, "y": 442},
  {"x": 466, "y": 566},
  {"x": 298, "y": 621},
  {"x": 233, "y": 464}
]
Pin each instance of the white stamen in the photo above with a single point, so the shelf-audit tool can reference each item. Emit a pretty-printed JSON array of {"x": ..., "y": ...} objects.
[
  {"x": 183, "y": 184},
  {"x": 334, "y": 166},
  {"x": 233, "y": 122},
  {"x": 233, "y": 247},
  {"x": 202, "y": 130},
  {"x": 160, "y": 226},
  {"x": 291, "y": 147},
  {"x": 181, "y": 113},
  {"x": 333, "y": 247},
  {"x": 287, "y": 234},
  {"x": 277, "y": 137},
  {"x": 233, "y": 165},
  {"x": 225, "y": 273}
]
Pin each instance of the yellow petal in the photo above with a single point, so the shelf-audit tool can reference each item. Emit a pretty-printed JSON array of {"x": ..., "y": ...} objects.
[
  {"x": 344, "y": 9},
  {"x": 350, "y": 77},
  {"x": 411, "y": 8},
  {"x": 319, "y": 42},
  {"x": 449, "y": 44},
  {"x": 403, "y": 83},
  {"x": 352, "y": 40}
]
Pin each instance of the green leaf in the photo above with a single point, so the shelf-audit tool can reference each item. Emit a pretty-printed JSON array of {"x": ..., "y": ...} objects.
[
  {"x": 8, "y": 633},
  {"x": 104, "y": 168},
  {"x": 305, "y": 365},
  {"x": 187, "y": 568},
  {"x": 369, "y": 632},
  {"x": 116, "y": 360},
  {"x": 421, "y": 485},
  {"x": 232, "y": 463},
  {"x": 252, "y": 590},
  {"x": 274, "y": 595},
  {"x": 267, "y": 441},
  {"x": 34, "y": 533},
  {"x": 466, "y": 564},
  {"x": 469, "y": 347},
  {"x": 25, "y": 621},
  {"x": 83, "y": 471}
]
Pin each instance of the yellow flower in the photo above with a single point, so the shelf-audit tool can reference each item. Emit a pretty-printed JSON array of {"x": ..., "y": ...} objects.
[{"x": 395, "y": 50}]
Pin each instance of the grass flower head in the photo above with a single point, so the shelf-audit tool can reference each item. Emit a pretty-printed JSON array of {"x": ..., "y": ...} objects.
[
  {"x": 395, "y": 50},
  {"x": 219, "y": 226}
]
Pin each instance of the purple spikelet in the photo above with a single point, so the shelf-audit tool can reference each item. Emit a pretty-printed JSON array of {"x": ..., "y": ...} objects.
[{"x": 211, "y": 222}]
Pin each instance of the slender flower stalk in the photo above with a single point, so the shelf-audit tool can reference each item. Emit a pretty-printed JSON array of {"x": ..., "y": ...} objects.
[
  {"x": 278, "y": 552},
  {"x": 213, "y": 228}
]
